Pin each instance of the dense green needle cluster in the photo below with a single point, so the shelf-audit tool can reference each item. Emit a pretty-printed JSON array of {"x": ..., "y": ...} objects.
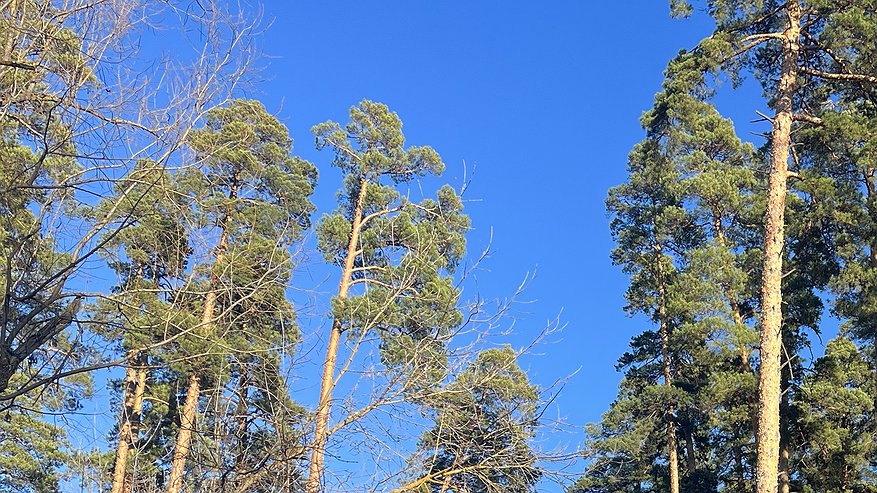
[
  {"x": 484, "y": 422},
  {"x": 399, "y": 278}
]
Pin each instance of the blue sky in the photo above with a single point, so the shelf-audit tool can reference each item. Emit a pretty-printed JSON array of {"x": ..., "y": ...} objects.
[{"x": 541, "y": 100}]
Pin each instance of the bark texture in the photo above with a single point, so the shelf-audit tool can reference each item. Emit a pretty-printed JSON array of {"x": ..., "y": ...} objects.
[
  {"x": 135, "y": 381},
  {"x": 767, "y": 465}
]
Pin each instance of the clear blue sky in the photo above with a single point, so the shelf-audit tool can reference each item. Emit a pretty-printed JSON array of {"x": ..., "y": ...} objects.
[{"x": 542, "y": 99}]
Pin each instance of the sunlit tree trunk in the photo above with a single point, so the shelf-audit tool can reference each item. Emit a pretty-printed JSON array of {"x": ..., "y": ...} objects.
[
  {"x": 193, "y": 391},
  {"x": 135, "y": 381},
  {"x": 771, "y": 283},
  {"x": 318, "y": 453},
  {"x": 137, "y": 412}
]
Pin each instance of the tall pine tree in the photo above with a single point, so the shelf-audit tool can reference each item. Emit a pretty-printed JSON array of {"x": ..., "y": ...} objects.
[{"x": 396, "y": 256}]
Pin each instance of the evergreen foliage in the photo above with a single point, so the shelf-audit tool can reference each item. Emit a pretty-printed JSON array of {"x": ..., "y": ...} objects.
[
  {"x": 484, "y": 423},
  {"x": 397, "y": 257}
]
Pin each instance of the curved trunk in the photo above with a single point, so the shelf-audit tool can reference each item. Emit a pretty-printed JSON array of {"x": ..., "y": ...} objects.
[
  {"x": 771, "y": 282},
  {"x": 327, "y": 383}
]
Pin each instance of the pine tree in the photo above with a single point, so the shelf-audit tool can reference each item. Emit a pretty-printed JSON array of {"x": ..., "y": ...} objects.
[
  {"x": 699, "y": 174},
  {"x": 484, "y": 421},
  {"x": 396, "y": 256},
  {"x": 150, "y": 255},
  {"x": 839, "y": 154},
  {"x": 783, "y": 42},
  {"x": 250, "y": 201},
  {"x": 836, "y": 411},
  {"x": 649, "y": 224},
  {"x": 715, "y": 338}
]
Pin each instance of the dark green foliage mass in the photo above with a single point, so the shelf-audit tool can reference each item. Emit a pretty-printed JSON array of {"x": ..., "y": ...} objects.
[
  {"x": 836, "y": 411},
  {"x": 249, "y": 204}
]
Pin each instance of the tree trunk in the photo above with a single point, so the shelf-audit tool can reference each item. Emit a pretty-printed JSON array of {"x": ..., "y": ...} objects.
[
  {"x": 690, "y": 458},
  {"x": 784, "y": 473},
  {"x": 184, "y": 437},
  {"x": 135, "y": 381},
  {"x": 784, "y": 476},
  {"x": 874, "y": 390},
  {"x": 327, "y": 383},
  {"x": 871, "y": 189},
  {"x": 190, "y": 407},
  {"x": 672, "y": 446},
  {"x": 137, "y": 411},
  {"x": 772, "y": 275}
]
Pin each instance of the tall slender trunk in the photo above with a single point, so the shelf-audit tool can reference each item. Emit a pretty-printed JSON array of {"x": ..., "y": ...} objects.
[
  {"x": 137, "y": 412},
  {"x": 785, "y": 475},
  {"x": 672, "y": 445},
  {"x": 135, "y": 381},
  {"x": 871, "y": 189},
  {"x": 785, "y": 479},
  {"x": 184, "y": 436},
  {"x": 771, "y": 282},
  {"x": 874, "y": 389},
  {"x": 327, "y": 383},
  {"x": 193, "y": 391},
  {"x": 741, "y": 470}
]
